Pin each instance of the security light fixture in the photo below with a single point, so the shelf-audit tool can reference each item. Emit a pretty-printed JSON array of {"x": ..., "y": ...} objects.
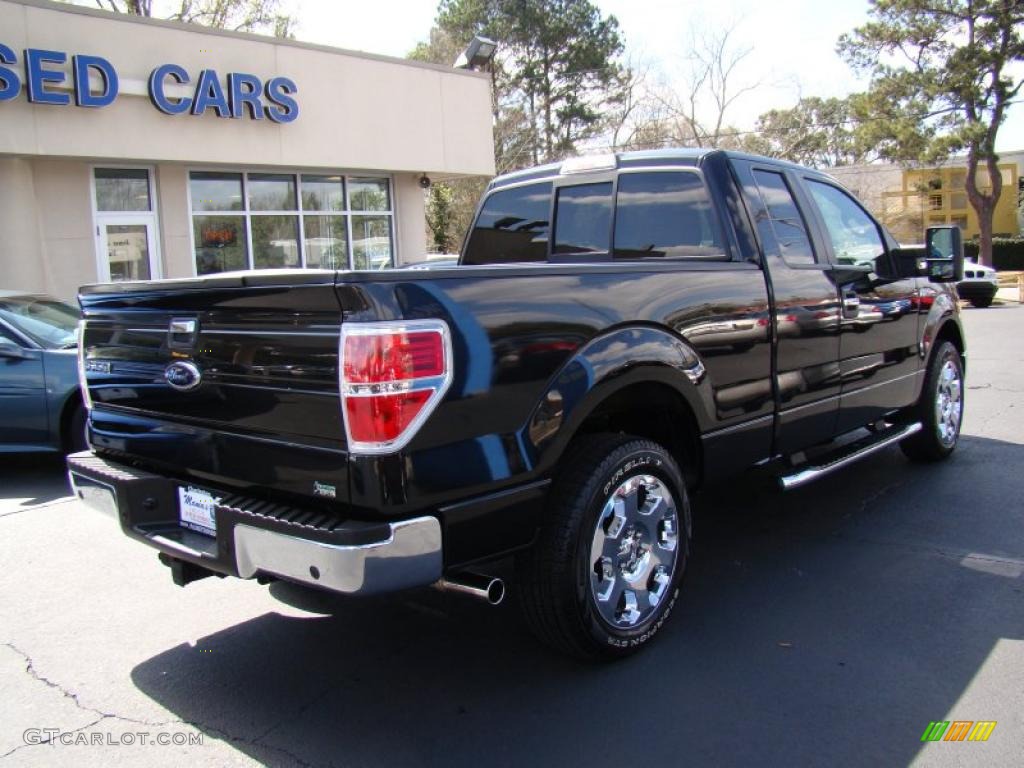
[{"x": 478, "y": 53}]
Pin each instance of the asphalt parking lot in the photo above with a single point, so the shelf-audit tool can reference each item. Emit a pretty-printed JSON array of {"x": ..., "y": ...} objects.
[{"x": 829, "y": 626}]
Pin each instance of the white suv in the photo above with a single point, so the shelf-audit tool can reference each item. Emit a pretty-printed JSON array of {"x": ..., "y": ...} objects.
[{"x": 979, "y": 285}]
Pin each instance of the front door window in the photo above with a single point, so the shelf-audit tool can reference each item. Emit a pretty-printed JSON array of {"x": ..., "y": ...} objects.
[{"x": 854, "y": 236}]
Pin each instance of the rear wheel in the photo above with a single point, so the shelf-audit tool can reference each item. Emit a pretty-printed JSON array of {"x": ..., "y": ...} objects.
[
  {"x": 981, "y": 303},
  {"x": 940, "y": 409},
  {"x": 604, "y": 573}
]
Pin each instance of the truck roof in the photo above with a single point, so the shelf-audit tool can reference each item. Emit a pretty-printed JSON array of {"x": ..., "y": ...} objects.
[{"x": 637, "y": 158}]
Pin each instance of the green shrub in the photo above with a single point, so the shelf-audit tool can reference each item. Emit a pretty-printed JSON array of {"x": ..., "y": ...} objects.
[{"x": 1007, "y": 252}]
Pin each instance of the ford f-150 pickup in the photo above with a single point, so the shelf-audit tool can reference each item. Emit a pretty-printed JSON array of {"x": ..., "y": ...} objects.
[{"x": 619, "y": 330}]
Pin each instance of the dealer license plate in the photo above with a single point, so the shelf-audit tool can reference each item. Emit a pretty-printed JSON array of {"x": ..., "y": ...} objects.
[{"x": 197, "y": 510}]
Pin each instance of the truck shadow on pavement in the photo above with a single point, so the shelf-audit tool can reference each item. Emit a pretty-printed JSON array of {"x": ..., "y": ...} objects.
[
  {"x": 33, "y": 478},
  {"x": 827, "y": 625}
]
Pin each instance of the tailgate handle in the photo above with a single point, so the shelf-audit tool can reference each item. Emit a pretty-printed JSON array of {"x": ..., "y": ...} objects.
[
  {"x": 183, "y": 326},
  {"x": 182, "y": 332}
]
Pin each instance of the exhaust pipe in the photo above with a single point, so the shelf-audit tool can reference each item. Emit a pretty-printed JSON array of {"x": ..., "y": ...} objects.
[{"x": 489, "y": 588}]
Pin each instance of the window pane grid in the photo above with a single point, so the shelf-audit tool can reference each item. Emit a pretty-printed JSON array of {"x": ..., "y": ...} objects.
[{"x": 291, "y": 220}]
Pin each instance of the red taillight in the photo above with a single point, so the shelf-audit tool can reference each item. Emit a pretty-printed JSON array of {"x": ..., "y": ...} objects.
[
  {"x": 393, "y": 357},
  {"x": 392, "y": 375}
]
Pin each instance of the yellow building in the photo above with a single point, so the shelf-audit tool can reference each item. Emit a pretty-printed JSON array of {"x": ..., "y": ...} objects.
[{"x": 908, "y": 200}]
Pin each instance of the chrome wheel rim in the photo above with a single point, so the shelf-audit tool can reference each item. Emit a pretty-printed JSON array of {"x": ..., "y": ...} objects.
[
  {"x": 948, "y": 403},
  {"x": 633, "y": 552}
]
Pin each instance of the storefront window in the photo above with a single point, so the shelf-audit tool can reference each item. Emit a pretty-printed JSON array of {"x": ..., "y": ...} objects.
[
  {"x": 275, "y": 220},
  {"x": 326, "y": 242},
  {"x": 369, "y": 195},
  {"x": 271, "y": 192},
  {"x": 323, "y": 193},
  {"x": 122, "y": 189},
  {"x": 275, "y": 242},
  {"x": 371, "y": 242},
  {"x": 216, "y": 191},
  {"x": 220, "y": 243}
]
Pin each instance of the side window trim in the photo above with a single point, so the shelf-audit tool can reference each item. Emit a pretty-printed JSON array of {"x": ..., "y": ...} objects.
[{"x": 796, "y": 192}]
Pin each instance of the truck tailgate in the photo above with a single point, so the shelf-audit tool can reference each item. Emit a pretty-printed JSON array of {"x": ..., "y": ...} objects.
[{"x": 230, "y": 380}]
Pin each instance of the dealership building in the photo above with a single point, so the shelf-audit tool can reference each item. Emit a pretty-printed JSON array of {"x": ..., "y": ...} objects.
[{"x": 133, "y": 148}]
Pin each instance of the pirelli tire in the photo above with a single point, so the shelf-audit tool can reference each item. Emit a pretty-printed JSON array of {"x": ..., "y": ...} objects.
[
  {"x": 940, "y": 407},
  {"x": 605, "y": 571}
]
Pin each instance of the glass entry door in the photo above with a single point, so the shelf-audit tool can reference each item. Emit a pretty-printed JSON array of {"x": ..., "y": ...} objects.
[
  {"x": 126, "y": 234},
  {"x": 127, "y": 247}
]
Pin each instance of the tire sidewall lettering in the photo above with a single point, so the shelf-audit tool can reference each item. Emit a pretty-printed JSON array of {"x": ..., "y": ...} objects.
[
  {"x": 648, "y": 633},
  {"x": 628, "y": 466},
  {"x": 640, "y": 462}
]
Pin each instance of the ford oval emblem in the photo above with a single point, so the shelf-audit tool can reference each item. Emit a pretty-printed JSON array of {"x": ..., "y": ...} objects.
[{"x": 183, "y": 376}]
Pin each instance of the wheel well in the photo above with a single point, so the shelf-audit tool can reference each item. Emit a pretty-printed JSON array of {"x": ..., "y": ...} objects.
[
  {"x": 951, "y": 332},
  {"x": 656, "y": 412}
]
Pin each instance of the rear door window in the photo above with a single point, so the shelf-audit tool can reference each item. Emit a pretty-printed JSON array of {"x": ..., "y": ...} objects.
[
  {"x": 513, "y": 226},
  {"x": 665, "y": 214},
  {"x": 583, "y": 221}
]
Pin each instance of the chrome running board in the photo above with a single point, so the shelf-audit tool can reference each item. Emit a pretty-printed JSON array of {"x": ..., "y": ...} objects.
[{"x": 847, "y": 455}]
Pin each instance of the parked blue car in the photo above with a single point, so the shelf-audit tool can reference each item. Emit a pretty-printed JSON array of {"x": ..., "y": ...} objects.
[{"x": 40, "y": 403}]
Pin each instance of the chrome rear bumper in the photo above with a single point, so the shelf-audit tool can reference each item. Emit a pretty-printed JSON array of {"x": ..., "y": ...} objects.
[
  {"x": 411, "y": 557},
  {"x": 350, "y": 558}
]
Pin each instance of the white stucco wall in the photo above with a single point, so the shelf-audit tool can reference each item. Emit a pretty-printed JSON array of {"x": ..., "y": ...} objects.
[
  {"x": 356, "y": 111},
  {"x": 358, "y": 114}
]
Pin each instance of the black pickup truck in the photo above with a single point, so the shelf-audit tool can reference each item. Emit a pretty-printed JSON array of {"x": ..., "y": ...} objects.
[{"x": 619, "y": 330}]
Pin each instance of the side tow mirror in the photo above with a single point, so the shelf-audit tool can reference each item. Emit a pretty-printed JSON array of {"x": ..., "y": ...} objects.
[{"x": 944, "y": 254}]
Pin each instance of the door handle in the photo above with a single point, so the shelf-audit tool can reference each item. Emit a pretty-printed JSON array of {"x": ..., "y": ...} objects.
[{"x": 851, "y": 304}]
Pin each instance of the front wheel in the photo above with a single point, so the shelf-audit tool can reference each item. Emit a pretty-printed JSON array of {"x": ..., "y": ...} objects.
[
  {"x": 940, "y": 409},
  {"x": 604, "y": 573}
]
